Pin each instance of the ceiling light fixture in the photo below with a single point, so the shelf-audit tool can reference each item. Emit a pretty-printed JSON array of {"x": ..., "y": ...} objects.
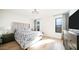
[{"x": 35, "y": 11}]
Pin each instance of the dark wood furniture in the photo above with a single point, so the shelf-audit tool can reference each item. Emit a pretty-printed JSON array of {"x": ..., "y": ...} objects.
[{"x": 7, "y": 38}]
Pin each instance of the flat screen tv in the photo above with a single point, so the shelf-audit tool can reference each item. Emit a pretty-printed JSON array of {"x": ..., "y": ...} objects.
[{"x": 74, "y": 20}]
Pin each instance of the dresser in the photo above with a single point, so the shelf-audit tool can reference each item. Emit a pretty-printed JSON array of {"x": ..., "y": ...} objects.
[
  {"x": 7, "y": 37},
  {"x": 0, "y": 39},
  {"x": 77, "y": 42},
  {"x": 70, "y": 40}
]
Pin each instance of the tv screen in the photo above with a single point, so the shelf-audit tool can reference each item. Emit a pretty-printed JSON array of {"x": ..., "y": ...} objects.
[{"x": 74, "y": 20}]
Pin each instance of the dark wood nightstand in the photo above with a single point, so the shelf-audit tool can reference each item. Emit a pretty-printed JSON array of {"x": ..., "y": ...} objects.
[{"x": 7, "y": 38}]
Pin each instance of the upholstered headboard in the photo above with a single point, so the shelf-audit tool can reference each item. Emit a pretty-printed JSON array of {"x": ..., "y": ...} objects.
[{"x": 20, "y": 26}]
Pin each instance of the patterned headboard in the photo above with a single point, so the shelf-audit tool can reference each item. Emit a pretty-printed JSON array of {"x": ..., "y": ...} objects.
[{"x": 20, "y": 26}]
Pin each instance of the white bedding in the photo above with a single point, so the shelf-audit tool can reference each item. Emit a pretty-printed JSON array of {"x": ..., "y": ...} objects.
[
  {"x": 27, "y": 38},
  {"x": 24, "y": 36}
]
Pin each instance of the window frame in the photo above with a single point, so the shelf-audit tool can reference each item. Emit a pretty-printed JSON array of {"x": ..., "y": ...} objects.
[{"x": 56, "y": 25}]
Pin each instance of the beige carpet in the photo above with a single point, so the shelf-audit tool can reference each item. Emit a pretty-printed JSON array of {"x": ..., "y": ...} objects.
[{"x": 10, "y": 46}]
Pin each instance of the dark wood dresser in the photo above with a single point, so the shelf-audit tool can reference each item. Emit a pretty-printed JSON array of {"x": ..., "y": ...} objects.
[{"x": 7, "y": 38}]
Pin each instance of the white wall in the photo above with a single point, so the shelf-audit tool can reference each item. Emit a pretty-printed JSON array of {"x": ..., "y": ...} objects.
[
  {"x": 47, "y": 21},
  {"x": 72, "y": 11},
  {"x": 9, "y": 16},
  {"x": 46, "y": 17}
]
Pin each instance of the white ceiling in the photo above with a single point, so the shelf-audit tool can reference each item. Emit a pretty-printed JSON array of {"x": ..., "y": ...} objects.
[{"x": 28, "y": 12}]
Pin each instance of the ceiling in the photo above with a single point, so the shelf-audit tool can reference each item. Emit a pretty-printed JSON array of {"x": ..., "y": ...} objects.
[{"x": 41, "y": 11}]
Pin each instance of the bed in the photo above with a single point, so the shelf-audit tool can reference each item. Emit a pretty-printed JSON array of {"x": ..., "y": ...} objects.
[{"x": 34, "y": 40}]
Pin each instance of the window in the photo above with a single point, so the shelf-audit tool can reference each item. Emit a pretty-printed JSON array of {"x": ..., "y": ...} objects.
[{"x": 58, "y": 25}]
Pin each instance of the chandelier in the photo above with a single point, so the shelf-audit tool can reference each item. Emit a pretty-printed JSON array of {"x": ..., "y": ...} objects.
[{"x": 35, "y": 11}]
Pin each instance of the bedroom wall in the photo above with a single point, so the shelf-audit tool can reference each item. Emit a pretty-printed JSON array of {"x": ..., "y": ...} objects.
[
  {"x": 48, "y": 26},
  {"x": 47, "y": 21},
  {"x": 9, "y": 16},
  {"x": 46, "y": 17}
]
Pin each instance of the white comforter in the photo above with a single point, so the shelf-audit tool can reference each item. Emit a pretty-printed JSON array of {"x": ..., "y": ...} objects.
[{"x": 27, "y": 38}]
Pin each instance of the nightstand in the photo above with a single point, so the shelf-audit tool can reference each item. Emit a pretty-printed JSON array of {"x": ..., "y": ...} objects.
[
  {"x": 0, "y": 39},
  {"x": 8, "y": 37}
]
